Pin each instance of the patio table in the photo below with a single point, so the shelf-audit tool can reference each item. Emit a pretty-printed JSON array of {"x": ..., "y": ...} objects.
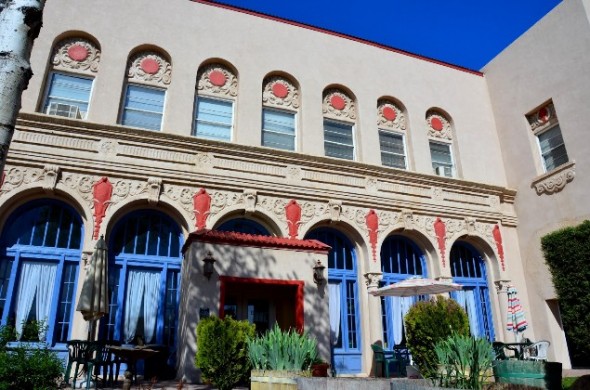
[{"x": 131, "y": 355}]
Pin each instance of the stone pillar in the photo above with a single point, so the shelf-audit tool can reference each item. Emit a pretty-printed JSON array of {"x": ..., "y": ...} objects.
[
  {"x": 502, "y": 294},
  {"x": 372, "y": 280}
]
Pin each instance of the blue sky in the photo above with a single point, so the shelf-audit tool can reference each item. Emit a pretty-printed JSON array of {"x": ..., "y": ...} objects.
[{"x": 467, "y": 33}]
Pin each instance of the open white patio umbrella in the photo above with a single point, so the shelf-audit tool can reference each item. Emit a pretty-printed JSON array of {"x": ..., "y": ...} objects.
[
  {"x": 93, "y": 302},
  {"x": 416, "y": 286},
  {"x": 516, "y": 321}
]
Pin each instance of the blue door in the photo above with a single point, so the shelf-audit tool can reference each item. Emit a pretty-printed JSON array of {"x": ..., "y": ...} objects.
[
  {"x": 344, "y": 303},
  {"x": 400, "y": 259},
  {"x": 144, "y": 281},
  {"x": 40, "y": 250},
  {"x": 469, "y": 269}
]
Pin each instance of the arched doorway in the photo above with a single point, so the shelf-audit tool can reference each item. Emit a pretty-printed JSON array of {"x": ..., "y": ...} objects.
[
  {"x": 469, "y": 269},
  {"x": 344, "y": 300},
  {"x": 400, "y": 259},
  {"x": 144, "y": 280},
  {"x": 40, "y": 252}
]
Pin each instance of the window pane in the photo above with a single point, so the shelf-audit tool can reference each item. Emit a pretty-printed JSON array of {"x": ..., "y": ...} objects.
[
  {"x": 68, "y": 96},
  {"x": 66, "y": 301},
  {"x": 338, "y": 140},
  {"x": 278, "y": 129},
  {"x": 441, "y": 157},
  {"x": 143, "y": 107},
  {"x": 213, "y": 119},
  {"x": 552, "y": 148},
  {"x": 392, "y": 150}
]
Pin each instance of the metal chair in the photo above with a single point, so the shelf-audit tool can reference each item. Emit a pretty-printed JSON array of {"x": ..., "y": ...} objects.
[
  {"x": 537, "y": 351},
  {"x": 384, "y": 359},
  {"x": 78, "y": 355}
]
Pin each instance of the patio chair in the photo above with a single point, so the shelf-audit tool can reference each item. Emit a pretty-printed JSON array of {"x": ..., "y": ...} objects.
[
  {"x": 499, "y": 350},
  {"x": 78, "y": 355},
  {"x": 384, "y": 360},
  {"x": 537, "y": 351}
]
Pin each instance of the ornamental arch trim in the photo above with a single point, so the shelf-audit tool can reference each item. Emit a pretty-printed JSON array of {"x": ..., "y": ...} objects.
[
  {"x": 439, "y": 124},
  {"x": 281, "y": 90},
  {"x": 75, "y": 52},
  {"x": 484, "y": 248},
  {"x": 32, "y": 192},
  {"x": 116, "y": 212},
  {"x": 268, "y": 221},
  {"x": 223, "y": 85},
  {"x": 150, "y": 65},
  {"x": 392, "y": 115},
  {"x": 339, "y": 103}
]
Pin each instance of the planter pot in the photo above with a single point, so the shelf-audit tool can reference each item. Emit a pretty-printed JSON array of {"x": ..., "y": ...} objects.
[
  {"x": 275, "y": 380},
  {"x": 546, "y": 375},
  {"x": 320, "y": 370}
]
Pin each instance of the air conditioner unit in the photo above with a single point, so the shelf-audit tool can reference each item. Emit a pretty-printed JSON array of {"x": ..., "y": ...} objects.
[
  {"x": 67, "y": 110},
  {"x": 440, "y": 171}
]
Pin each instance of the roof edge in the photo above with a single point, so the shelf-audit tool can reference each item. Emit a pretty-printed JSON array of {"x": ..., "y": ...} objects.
[{"x": 337, "y": 34}]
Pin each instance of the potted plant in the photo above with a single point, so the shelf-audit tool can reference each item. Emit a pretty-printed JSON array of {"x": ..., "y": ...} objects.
[
  {"x": 278, "y": 357},
  {"x": 319, "y": 368}
]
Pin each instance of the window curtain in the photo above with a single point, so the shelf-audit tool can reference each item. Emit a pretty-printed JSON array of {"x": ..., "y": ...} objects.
[
  {"x": 142, "y": 287},
  {"x": 472, "y": 312},
  {"x": 36, "y": 280},
  {"x": 334, "y": 299},
  {"x": 400, "y": 307}
]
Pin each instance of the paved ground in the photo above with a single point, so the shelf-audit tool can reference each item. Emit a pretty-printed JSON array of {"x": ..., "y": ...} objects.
[{"x": 173, "y": 385}]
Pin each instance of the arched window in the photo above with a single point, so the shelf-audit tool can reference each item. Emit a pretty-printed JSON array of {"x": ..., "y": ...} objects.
[
  {"x": 148, "y": 76},
  {"x": 243, "y": 225},
  {"x": 344, "y": 302},
  {"x": 440, "y": 137},
  {"x": 41, "y": 250},
  {"x": 69, "y": 82},
  {"x": 280, "y": 101},
  {"x": 215, "y": 97},
  {"x": 391, "y": 122},
  {"x": 400, "y": 259},
  {"x": 339, "y": 109},
  {"x": 468, "y": 268},
  {"x": 144, "y": 280}
]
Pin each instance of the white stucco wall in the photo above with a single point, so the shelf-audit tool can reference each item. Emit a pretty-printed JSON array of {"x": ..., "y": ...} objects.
[
  {"x": 549, "y": 61},
  {"x": 191, "y": 33}
]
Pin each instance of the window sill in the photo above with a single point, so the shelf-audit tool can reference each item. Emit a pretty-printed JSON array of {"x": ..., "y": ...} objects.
[{"x": 554, "y": 181}]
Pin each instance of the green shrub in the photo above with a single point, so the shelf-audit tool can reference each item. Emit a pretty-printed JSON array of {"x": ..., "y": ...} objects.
[
  {"x": 282, "y": 350},
  {"x": 29, "y": 368},
  {"x": 429, "y": 322},
  {"x": 466, "y": 361},
  {"x": 222, "y": 353},
  {"x": 567, "y": 253}
]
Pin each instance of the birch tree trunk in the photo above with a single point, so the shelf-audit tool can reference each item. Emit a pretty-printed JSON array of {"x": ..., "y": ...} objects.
[{"x": 20, "y": 22}]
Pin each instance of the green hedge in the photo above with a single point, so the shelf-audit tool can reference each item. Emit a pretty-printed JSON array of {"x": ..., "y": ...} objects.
[
  {"x": 567, "y": 253},
  {"x": 222, "y": 352},
  {"x": 429, "y": 322}
]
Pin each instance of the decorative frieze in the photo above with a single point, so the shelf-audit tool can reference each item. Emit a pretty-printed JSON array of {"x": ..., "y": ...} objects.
[
  {"x": 338, "y": 105},
  {"x": 372, "y": 279},
  {"x": 217, "y": 80},
  {"x": 280, "y": 92},
  {"x": 76, "y": 54},
  {"x": 555, "y": 180},
  {"x": 19, "y": 176},
  {"x": 250, "y": 198},
  {"x": 390, "y": 116},
  {"x": 50, "y": 177},
  {"x": 149, "y": 67},
  {"x": 438, "y": 126}
]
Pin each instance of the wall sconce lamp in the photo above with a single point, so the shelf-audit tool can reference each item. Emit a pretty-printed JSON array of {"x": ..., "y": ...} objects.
[
  {"x": 318, "y": 273},
  {"x": 208, "y": 266}
]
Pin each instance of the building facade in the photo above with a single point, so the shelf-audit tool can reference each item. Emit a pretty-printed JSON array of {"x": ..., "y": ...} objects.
[{"x": 240, "y": 122}]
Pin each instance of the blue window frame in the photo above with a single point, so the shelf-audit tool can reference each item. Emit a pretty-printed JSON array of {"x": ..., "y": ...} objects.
[
  {"x": 47, "y": 235},
  {"x": 213, "y": 119},
  {"x": 243, "y": 225},
  {"x": 278, "y": 129},
  {"x": 468, "y": 268},
  {"x": 143, "y": 107},
  {"x": 342, "y": 273},
  {"x": 145, "y": 247},
  {"x": 338, "y": 139},
  {"x": 67, "y": 95},
  {"x": 400, "y": 259}
]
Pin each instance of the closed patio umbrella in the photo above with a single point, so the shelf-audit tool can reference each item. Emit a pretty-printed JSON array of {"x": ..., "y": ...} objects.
[
  {"x": 416, "y": 286},
  {"x": 516, "y": 321},
  {"x": 93, "y": 302}
]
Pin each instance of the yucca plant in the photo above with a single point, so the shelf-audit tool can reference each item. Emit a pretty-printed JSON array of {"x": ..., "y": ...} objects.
[
  {"x": 465, "y": 361},
  {"x": 282, "y": 350}
]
